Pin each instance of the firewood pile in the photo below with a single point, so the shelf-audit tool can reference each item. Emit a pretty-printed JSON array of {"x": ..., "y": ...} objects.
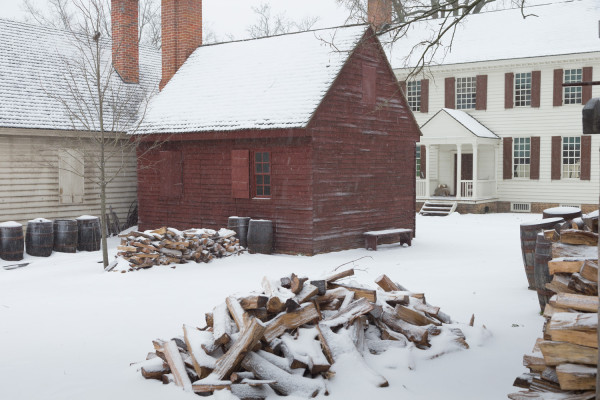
[
  {"x": 170, "y": 246},
  {"x": 286, "y": 337},
  {"x": 563, "y": 363}
]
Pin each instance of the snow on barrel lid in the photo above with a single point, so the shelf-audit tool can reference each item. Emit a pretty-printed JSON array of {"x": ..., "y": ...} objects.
[
  {"x": 561, "y": 210},
  {"x": 39, "y": 220},
  {"x": 10, "y": 224},
  {"x": 86, "y": 217}
]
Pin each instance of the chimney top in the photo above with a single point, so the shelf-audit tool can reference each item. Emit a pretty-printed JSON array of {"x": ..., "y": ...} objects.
[
  {"x": 125, "y": 47},
  {"x": 379, "y": 13}
]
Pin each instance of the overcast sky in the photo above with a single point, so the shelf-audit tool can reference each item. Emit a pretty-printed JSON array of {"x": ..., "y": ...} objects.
[{"x": 232, "y": 17}]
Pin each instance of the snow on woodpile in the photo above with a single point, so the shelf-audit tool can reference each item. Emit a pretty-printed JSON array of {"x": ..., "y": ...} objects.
[
  {"x": 273, "y": 82},
  {"x": 563, "y": 362},
  {"x": 171, "y": 246},
  {"x": 294, "y": 334},
  {"x": 503, "y": 34}
]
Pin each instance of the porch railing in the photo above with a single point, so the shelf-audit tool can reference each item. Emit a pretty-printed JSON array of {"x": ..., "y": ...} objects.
[
  {"x": 466, "y": 188},
  {"x": 421, "y": 187}
]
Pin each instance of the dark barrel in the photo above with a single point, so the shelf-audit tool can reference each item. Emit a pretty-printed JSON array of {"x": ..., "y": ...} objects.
[
  {"x": 568, "y": 213},
  {"x": 89, "y": 234},
  {"x": 65, "y": 235},
  {"x": 11, "y": 241},
  {"x": 260, "y": 236},
  {"x": 240, "y": 226},
  {"x": 529, "y": 231},
  {"x": 543, "y": 254},
  {"x": 39, "y": 238}
]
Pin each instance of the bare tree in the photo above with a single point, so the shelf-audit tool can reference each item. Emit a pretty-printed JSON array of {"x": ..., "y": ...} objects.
[
  {"x": 268, "y": 24},
  {"x": 445, "y": 15},
  {"x": 101, "y": 107},
  {"x": 64, "y": 14}
]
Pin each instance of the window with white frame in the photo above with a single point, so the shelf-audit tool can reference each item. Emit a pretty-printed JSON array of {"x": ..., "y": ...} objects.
[
  {"x": 414, "y": 95},
  {"x": 572, "y": 94},
  {"x": 465, "y": 93},
  {"x": 521, "y": 157},
  {"x": 571, "y": 157},
  {"x": 418, "y": 158},
  {"x": 523, "y": 89}
]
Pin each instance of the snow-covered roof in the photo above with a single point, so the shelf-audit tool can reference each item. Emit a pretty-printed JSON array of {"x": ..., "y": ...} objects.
[
  {"x": 39, "y": 70},
  {"x": 274, "y": 82},
  {"x": 470, "y": 123},
  {"x": 551, "y": 29}
]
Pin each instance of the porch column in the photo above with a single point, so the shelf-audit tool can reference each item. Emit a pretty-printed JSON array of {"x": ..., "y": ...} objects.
[
  {"x": 458, "y": 171},
  {"x": 475, "y": 174},
  {"x": 427, "y": 171}
]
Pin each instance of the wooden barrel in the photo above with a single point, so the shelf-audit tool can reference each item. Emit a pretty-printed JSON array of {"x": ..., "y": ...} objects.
[
  {"x": 89, "y": 234},
  {"x": 568, "y": 213},
  {"x": 543, "y": 254},
  {"x": 240, "y": 226},
  {"x": 529, "y": 231},
  {"x": 65, "y": 235},
  {"x": 260, "y": 236},
  {"x": 39, "y": 239},
  {"x": 11, "y": 241}
]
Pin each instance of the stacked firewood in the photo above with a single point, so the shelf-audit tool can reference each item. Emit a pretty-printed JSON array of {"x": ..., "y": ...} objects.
[
  {"x": 563, "y": 364},
  {"x": 286, "y": 337},
  {"x": 170, "y": 246}
]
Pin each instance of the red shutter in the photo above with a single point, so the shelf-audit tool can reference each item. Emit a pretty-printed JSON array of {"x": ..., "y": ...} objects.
[
  {"x": 240, "y": 174},
  {"x": 369, "y": 74},
  {"x": 450, "y": 98},
  {"x": 536, "y": 86},
  {"x": 423, "y": 162},
  {"x": 507, "y": 154},
  {"x": 586, "y": 157},
  {"x": 556, "y": 157},
  {"x": 557, "y": 98},
  {"x": 424, "y": 95},
  {"x": 509, "y": 84},
  {"x": 171, "y": 175},
  {"x": 586, "y": 91},
  {"x": 534, "y": 158},
  {"x": 481, "y": 92}
]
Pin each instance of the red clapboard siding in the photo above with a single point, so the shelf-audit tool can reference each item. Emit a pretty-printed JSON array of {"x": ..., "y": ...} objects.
[
  {"x": 536, "y": 87},
  {"x": 369, "y": 78},
  {"x": 449, "y": 93},
  {"x": 586, "y": 157},
  {"x": 171, "y": 178},
  {"x": 509, "y": 85},
  {"x": 534, "y": 167},
  {"x": 481, "y": 92},
  {"x": 556, "y": 165},
  {"x": 240, "y": 174},
  {"x": 507, "y": 153}
]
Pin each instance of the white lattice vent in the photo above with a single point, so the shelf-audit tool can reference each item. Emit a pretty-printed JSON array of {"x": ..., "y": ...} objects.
[
  {"x": 571, "y": 205},
  {"x": 520, "y": 207}
]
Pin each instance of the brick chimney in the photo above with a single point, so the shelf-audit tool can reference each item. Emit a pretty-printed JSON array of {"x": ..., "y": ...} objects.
[
  {"x": 181, "y": 34},
  {"x": 379, "y": 13},
  {"x": 125, "y": 48}
]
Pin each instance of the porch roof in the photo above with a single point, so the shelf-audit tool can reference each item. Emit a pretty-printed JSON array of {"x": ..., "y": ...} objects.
[{"x": 454, "y": 126}]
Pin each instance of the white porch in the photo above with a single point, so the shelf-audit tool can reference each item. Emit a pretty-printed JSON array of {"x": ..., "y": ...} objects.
[{"x": 460, "y": 153}]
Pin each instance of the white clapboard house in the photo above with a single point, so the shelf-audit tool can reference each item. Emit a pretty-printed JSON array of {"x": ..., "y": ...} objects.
[
  {"x": 499, "y": 131},
  {"x": 44, "y": 171}
]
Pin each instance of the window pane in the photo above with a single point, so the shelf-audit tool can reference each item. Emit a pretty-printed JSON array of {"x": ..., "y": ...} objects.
[
  {"x": 465, "y": 93},
  {"x": 267, "y": 179},
  {"x": 521, "y": 157},
  {"x": 571, "y": 155},
  {"x": 258, "y": 157},
  {"x": 265, "y": 157},
  {"x": 267, "y": 191},
  {"x": 414, "y": 95},
  {"x": 259, "y": 190}
]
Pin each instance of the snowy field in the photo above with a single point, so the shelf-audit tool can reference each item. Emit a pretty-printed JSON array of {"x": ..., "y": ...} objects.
[{"x": 71, "y": 331}]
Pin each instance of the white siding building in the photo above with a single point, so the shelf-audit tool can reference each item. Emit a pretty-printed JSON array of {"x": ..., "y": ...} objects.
[{"x": 499, "y": 129}]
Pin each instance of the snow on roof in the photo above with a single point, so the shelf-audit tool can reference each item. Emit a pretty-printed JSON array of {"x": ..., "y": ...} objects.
[
  {"x": 468, "y": 122},
  {"x": 550, "y": 29},
  {"x": 34, "y": 76},
  {"x": 274, "y": 82}
]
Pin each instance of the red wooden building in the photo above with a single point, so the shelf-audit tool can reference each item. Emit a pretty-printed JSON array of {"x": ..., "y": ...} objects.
[{"x": 309, "y": 130}]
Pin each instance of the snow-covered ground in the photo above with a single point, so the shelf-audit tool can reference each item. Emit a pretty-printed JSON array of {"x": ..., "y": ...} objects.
[{"x": 70, "y": 331}]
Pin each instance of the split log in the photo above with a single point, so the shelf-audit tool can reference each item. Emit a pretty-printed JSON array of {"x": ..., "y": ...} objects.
[
  {"x": 415, "y": 334},
  {"x": 576, "y": 377},
  {"x": 303, "y": 352},
  {"x": 569, "y": 250},
  {"x": 359, "y": 292},
  {"x": 209, "y": 385},
  {"x": 589, "y": 270},
  {"x": 572, "y": 236},
  {"x": 535, "y": 362},
  {"x": 332, "y": 294},
  {"x": 576, "y": 328},
  {"x": 349, "y": 313},
  {"x": 349, "y": 298},
  {"x": 393, "y": 298},
  {"x": 177, "y": 366},
  {"x": 154, "y": 368},
  {"x": 583, "y": 286},
  {"x": 249, "y": 392},
  {"x": 296, "y": 283},
  {"x": 240, "y": 317},
  {"x": 591, "y": 221},
  {"x": 556, "y": 353},
  {"x": 278, "y": 325},
  {"x": 575, "y": 301},
  {"x": 339, "y": 275},
  {"x": 306, "y": 293},
  {"x": 560, "y": 284},
  {"x": 321, "y": 285},
  {"x": 286, "y": 383},
  {"x": 253, "y": 302},
  {"x": 234, "y": 356},
  {"x": 565, "y": 265},
  {"x": 524, "y": 380},
  {"x": 577, "y": 224},
  {"x": 222, "y": 324},
  {"x": 196, "y": 342},
  {"x": 550, "y": 310},
  {"x": 551, "y": 396},
  {"x": 414, "y": 317},
  {"x": 386, "y": 283},
  {"x": 551, "y": 235}
]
